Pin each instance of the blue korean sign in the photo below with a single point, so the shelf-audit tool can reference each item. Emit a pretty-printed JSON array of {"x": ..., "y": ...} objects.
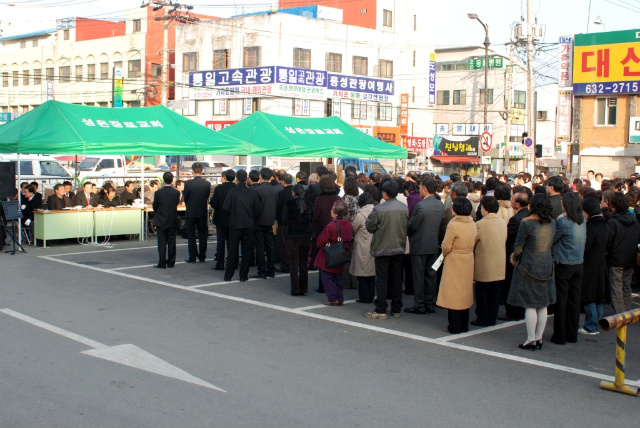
[
  {"x": 366, "y": 85},
  {"x": 5, "y": 117},
  {"x": 432, "y": 78},
  {"x": 298, "y": 76},
  {"x": 232, "y": 77}
]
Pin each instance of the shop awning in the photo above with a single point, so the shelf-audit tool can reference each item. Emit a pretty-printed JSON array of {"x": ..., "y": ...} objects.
[{"x": 457, "y": 159}]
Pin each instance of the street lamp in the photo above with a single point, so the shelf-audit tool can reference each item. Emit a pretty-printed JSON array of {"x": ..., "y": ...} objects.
[
  {"x": 599, "y": 21},
  {"x": 486, "y": 63}
]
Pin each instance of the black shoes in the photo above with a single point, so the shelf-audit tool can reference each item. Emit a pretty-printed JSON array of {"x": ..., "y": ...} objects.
[
  {"x": 170, "y": 265},
  {"x": 160, "y": 266},
  {"x": 227, "y": 279},
  {"x": 189, "y": 261},
  {"x": 258, "y": 276},
  {"x": 415, "y": 311},
  {"x": 529, "y": 345},
  {"x": 478, "y": 324}
]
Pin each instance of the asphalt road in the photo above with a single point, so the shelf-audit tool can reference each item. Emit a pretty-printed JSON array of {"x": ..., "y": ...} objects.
[{"x": 202, "y": 352}]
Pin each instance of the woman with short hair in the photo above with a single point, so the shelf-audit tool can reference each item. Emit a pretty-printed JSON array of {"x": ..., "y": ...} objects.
[{"x": 456, "y": 286}]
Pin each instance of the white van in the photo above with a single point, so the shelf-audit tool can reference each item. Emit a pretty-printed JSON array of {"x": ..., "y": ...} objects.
[
  {"x": 43, "y": 169},
  {"x": 114, "y": 167}
]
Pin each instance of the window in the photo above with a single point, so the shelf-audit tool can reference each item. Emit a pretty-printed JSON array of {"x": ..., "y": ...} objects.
[
  {"x": 220, "y": 59},
  {"x": 359, "y": 110},
  {"x": 489, "y": 96},
  {"x": 251, "y": 105},
  {"x": 49, "y": 73},
  {"x": 385, "y": 68},
  {"x": 37, "y": 76},
  {"x": 16, "y": 78},
  {"x": 606, "y": 111},
  {"x": 78, "y": 73},
  {"x": 301, "y": 107},
  {"x": 5, "y": 80},
  {"x": 137, "y": 26},
  {"x": 135, "y": 68},
  {"x": 442, "y": 98},
  {"x": 65, "y": 74},
  {"x": 445, "y": 67},
  {"x": 91, "y": 72},
  {"x": 25, "y": 77},
  {"x": 520, "y": 99},
  {"x": 251, "y": 56},
  {"x": 52, "y": 168},
  {"x": 461, "y": 67},
  {"x": 190, "y": 61},
  {"x": 156, "y": 70},
  {"x": 360, "y": 65},
  {"x": 66, "y": 34},
  {"x": 459, "y": 97},
  {"x": 23, "y": 44},
  {"x": 117, "y": 64},
  {"x": 334, "y": 62},
  {"x": 106, "y": 163},
  {"x": 301, "y": 58},
  {"x": 26, "y": 167},
  {"x": 220, "y": 107},
  {"x": 387, "y": 18},
  {"x": 384, "y": 111},
  {"x": 34, "y": 43},
  {"x": 104, "y": 70},
  {"x": 103, "y": 104},
  {"x": 542, "y": 115}
]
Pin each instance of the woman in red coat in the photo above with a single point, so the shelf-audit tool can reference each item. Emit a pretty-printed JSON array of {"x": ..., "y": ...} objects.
[{"x": 332, "y": 276}]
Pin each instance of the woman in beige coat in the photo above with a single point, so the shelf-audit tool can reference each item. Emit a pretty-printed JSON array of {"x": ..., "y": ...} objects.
[
  {"x": 456, "y": 287},
  {"x": 362, "y": 262},
  {"x": 490, "y": 262}
]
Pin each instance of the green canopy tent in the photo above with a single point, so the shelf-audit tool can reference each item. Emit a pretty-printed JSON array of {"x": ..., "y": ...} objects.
[
  {"x": 285, "y": 136},
  {"x": 56, "y": 127}
]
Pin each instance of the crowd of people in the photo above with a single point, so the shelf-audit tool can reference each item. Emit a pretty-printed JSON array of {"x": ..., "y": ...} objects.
[{"x": 537, "y": 246}]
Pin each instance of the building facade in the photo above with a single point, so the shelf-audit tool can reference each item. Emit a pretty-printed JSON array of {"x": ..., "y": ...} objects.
[{"x": 306, "y": 62}]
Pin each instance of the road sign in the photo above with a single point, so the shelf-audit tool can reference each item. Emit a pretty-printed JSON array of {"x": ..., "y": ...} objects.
[
  {"x": 528, "y": 142},
  {"x": 485, "y": 141},
  {"x": 5, "y": 117}
]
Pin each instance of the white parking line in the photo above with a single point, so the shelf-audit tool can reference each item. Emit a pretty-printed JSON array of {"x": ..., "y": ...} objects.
[
  {"x": 359, "y": 325},
  {"x": 479, "y": 331},
  {"x": 309, "y": 308}
]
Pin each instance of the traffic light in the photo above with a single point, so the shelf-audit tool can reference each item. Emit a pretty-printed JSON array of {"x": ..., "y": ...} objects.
[{"x": 538, "y": 150}]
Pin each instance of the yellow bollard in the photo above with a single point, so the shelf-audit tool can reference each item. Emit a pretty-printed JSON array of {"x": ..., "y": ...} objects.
[
  {"x": 618, "y": 385},
  {"x": 620, "y": 321}
]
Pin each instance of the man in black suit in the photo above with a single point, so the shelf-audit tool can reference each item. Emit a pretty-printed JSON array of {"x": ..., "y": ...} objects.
[
  {"x": 86, "y": 198},
  {"x": 58, "y": 200},
  {"x": 423, "y": 228},
  {"x": 520, "y": 203},
  {"x": 284, "y": 195},
  {"x": 243, "y": 207},
  {"x": 263, "y": 230},
  {"x": 254, "y": 178},
  {"x": 67, "y": 190},
  {"x": 126, "y": 197},
  {"x": 220, "y": 216},
  {"x": 165, "y": 207},
  {"x": 32, "y": 201},
  {"x": 196, "y": 197}
]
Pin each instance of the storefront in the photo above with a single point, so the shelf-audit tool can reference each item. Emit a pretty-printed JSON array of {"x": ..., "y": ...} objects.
[{"x": 456, "y": 155}]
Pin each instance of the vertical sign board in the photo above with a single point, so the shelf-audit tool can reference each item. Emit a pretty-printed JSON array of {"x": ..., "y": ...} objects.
[
  {"x": 335, "y": 109},
  {"x": 404, "y": 113},
  {"x": 118, "y": 83},
  {"x": 248, "y": 106},
  {"x": 432, "y": 78},
  {"x": 49, "y": 90},
  {"x": 565, "y": 61},
  {"x": 563, "y": 121},
  {"x": 607, "y": 63}
]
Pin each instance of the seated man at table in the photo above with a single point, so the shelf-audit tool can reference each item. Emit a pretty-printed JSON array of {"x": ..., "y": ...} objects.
[
  {"x": 36, "y": 186},
  {"x": 31, "y": 202},
  {"x": 126, "y": 197},
  {"x": 58, "y": 200},
  {"x": 67, "y": 190},
  {"x": 85, "y": 197},
  {"x": 110, "y": 200}
]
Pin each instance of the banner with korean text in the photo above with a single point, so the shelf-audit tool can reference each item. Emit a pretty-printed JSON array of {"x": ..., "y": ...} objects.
[
  {"x": 563, "y": 121},
  {"x": 432, "y": 78},
  {"x": 565, "y": 61}
]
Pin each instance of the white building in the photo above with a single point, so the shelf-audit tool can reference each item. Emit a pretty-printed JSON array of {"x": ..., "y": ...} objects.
[{"x": 378, "y": 64}]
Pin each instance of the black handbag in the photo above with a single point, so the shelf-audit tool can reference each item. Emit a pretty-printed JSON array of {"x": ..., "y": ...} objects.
[{"x": 336, "y": 254}]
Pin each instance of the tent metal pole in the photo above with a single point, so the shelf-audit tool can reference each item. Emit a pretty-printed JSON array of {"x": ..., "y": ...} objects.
[
  {"x": 19, "y": 200},
  {"x": 142, "y": 229}
]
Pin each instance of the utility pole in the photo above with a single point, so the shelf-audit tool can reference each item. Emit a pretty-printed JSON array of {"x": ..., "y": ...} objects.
[
  {"x": 509, "y": 104},
  {"x": 180, "y": 13},
  {"x": 530, "y": 111}
]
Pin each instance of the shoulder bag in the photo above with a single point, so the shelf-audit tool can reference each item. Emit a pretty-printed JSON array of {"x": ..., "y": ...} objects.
[{"x": 336, "y": 254}]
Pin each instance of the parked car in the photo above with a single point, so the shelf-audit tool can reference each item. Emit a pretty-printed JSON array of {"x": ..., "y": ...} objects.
[
  {"x": 209, "y": 167},
  {"x": 43, "y": 169},
  {"x": 366, "y": 166},
  {"x": 244, "y": 167}
]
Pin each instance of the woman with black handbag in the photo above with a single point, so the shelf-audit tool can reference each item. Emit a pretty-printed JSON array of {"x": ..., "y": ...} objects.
[{"x": 333, "y": 252}]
